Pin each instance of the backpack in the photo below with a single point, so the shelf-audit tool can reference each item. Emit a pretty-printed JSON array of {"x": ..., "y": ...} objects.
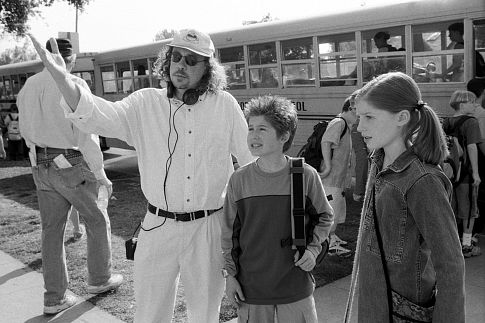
[
  {"x": 312, "y": 150},
  {"x": 13, "y": 129},
  {"x": 457, "y": 158}
]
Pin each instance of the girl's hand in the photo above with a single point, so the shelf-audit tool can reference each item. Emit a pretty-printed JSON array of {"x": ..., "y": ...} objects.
[
  {"x": 307, "y": 261},
  {"x": 234, "y": 291},
  {"x": 476, "y": 179},
  {"x": 52, "y": 61}
]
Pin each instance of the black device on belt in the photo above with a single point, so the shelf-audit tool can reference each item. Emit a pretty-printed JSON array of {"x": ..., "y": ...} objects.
[{"x": 189, "y": 216}]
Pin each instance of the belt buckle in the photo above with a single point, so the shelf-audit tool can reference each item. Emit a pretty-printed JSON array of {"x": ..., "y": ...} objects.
[{"x": 192, "y": 216}]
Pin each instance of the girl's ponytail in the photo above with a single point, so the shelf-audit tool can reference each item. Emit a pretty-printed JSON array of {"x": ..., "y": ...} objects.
[{"x": 427, "y": 136}]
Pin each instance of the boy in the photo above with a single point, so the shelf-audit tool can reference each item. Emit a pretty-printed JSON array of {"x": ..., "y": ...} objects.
[
  {"x": 263, "y": 277},
  {"x": 336, "y": 169},
  {"x": 468, "y": 133}
]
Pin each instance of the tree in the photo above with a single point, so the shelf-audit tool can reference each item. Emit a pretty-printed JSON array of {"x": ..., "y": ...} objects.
[
  {"x": 18, "y": 54},
  {"x": 14, "y": 14},
  {"x": 164, "y": 34}
]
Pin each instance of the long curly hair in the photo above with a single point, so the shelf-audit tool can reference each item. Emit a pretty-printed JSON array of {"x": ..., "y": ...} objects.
[{"x": 213, "y": 80}]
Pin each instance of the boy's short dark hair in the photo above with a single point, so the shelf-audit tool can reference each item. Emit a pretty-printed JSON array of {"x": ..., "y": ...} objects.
[
  {"x": 278, "y": 111},
  {"x": 13, "y": 108},
  {"x": 476, "y": 86},
  {"x": 457, "y": 26}
]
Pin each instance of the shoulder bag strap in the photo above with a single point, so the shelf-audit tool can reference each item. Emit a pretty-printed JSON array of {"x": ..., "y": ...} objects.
[
  {"x": 345, "y": 128},
  {"x": 298, "y": 234},
  {"x": 383, "y": 256}
]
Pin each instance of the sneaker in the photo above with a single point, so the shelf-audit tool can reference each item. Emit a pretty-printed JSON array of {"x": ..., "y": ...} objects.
[
  {"x": 77, "y": 235},
  {"x": 338, "y": 250},
  {"x": 68, "y": 301},
  {"x": 112, "y": 283},
  {"x": 334, "y": 239},
  {"x": 475, "y": 239},
  {"x": 471, "y": 251}
]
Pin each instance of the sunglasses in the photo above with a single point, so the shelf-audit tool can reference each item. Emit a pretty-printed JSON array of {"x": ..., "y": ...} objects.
[{"x": 190, "y": 60}]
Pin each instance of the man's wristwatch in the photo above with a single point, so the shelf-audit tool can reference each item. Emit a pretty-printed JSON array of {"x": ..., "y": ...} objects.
[{"x": 225, "y": 274}]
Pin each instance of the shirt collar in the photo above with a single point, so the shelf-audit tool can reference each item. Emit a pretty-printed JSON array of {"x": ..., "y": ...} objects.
[{"x": 401, "y": 163}]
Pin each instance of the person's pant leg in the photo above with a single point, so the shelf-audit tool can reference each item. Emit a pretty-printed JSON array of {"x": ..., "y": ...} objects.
[
  {"x": 157, "y": 269},
  {"x": 201, "y": 267},
  {"x": 336, "y": 199},
  {"x": 302, "y": 311},
  {"x": 78, "y": 184},
  {"x": 53, "y": 209},
  {"x": 250, "y": 313}
]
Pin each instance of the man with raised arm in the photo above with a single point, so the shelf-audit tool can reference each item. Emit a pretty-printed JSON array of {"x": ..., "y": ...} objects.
[
  {"x": 67, "y": 166},
  {"x": 184, "y": 137}
]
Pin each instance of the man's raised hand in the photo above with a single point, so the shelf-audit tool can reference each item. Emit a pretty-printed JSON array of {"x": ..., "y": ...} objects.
[{"x": 52, "y": 61}]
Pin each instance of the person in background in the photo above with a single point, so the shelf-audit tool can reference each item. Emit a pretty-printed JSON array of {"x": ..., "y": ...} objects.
[
  {"x": 454, "y": 72},
  {"x": 466, "y": 191},
  {"x": 184, "y": 136},
  {"x": 14, "y": 136},
  {"x": 380, "y": 40},
  {"x": 408, "y": 201},
  {"x": 263, "y": 278},
  {"x": 336, "y": 170},
  {"x": 67, "y": 166},
  {"x": 477, "y": 87},
  {"x": 361, "y": 161}
]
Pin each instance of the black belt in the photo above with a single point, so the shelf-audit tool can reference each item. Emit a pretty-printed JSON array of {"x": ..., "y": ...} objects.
[
  {"x": 190, "y": 216},
  {"x": 55, "y": 151}
]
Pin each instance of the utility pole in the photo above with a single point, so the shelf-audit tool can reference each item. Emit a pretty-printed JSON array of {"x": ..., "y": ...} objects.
[{"x": 76, "y": 15}]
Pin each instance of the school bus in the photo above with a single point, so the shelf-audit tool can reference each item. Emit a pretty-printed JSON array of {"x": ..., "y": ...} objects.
[{"x": 318, "y": 61}]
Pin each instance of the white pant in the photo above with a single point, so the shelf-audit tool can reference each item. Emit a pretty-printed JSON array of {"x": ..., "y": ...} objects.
[
  {"x": 337, "y": 202},
  {"x": 189, "y": 249}
]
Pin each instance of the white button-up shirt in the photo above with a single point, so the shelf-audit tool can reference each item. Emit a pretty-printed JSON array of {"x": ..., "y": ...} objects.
[
  {"x": 184, "y": 151},
  {"x": 42, "y": 122}
]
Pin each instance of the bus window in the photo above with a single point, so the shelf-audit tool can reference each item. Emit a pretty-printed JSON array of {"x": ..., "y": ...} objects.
[
  {"x": 108, "y": 76},
  {"x": 383, "y": 52},
  {"x": 266, "y": 77},
  {"x": 15, "y": 85},
  {"x": 233, "y": 61},
  {"x": 430, "y": 61},
  {"x": 263, "y": 76},
  {"x": 298, "y": 66},
  {"x": 141, "y": 72},
  {"x": 479, "y": 46},
  {"x": 8, "y": 88},
  {"x": 123, "y": 75},
  {"x": 337, "y": 60},
  {"x": 262, "y": 54},
  {"x": 156, "y": 80},
  {"x": 2, "y": 89}
]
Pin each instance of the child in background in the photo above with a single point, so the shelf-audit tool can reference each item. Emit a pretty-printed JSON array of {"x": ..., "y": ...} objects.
[
  {"x": 264, "y": 278},
  {"x": 466, "y": 191},
  {"x": 408, "y": 200}
]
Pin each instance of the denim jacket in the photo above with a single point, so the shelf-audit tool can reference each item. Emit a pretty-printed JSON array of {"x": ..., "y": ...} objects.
[{"x": 420, "y": 240}]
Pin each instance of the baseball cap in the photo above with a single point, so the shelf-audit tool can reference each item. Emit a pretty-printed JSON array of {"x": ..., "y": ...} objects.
[
  {"x": 195, "y": 41},
  {"x": 64, "y": 45}
]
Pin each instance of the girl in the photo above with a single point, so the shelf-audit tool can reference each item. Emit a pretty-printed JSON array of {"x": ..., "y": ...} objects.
[{"x": 408, "y": 250}]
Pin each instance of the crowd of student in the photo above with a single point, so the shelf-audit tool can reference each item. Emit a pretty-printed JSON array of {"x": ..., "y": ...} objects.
[{"x": 208, "y": 225}]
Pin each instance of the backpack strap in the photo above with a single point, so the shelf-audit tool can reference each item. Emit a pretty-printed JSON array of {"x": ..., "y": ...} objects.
[
  {"x": 298, "y": 234},
  {"x": 345, "y": 129}
]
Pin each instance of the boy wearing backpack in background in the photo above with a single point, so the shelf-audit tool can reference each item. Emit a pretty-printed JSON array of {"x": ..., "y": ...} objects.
[
  {"x": 335, "y": 169},
  {"x": 477, "y": 87},
  {"x": 13, "y": 134},
  {"x": 266, "y": 278},
  {"x": 465, "y": 188}
]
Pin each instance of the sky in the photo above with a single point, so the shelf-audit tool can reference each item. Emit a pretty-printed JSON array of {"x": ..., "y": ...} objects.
[{"x": 111, "y": 24}]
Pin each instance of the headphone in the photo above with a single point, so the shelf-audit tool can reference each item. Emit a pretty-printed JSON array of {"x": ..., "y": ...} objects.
[{"x": 190, "y": 97}]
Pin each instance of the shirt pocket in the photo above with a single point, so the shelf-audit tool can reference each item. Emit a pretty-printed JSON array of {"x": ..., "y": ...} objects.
[{"x": 392, "y": 226}]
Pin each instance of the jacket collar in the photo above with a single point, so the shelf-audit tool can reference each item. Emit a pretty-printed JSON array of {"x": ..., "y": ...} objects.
[{"x": 401, "y": 163}]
